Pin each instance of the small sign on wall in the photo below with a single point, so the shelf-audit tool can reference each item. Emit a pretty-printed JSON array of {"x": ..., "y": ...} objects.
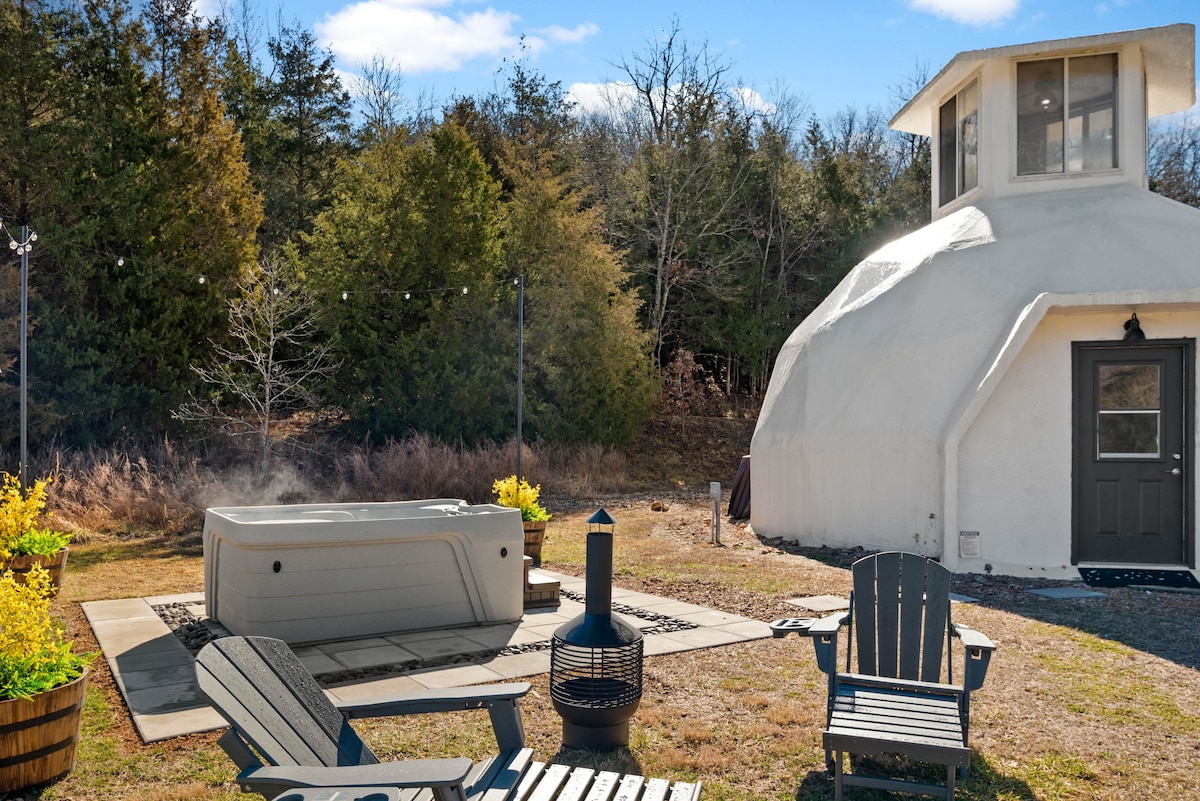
[{"x": 968, "y": 545}]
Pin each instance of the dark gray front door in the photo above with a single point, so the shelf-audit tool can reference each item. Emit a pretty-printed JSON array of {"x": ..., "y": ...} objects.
[{"x": 1131, "y": 476}]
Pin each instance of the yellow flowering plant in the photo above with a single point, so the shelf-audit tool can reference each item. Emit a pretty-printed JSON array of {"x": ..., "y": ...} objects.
[
  {"x": 34, "y": 654},
  {"x": 519, "y": 495},
  {"x": 19, "y": 515}
]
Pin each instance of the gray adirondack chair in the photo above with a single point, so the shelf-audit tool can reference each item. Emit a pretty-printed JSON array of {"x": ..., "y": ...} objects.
[
  {"x": 897, "y": 701},
  {"x": 278, "y": 715}
]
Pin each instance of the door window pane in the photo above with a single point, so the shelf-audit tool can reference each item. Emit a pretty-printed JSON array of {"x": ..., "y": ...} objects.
[{"x": 1129, "y": 411}]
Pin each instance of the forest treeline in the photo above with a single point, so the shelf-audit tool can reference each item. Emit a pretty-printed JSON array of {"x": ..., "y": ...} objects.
[{"x": 226, "y": 232}]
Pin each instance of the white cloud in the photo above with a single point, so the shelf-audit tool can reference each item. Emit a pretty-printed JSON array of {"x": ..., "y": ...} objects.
[
  {"x": 421, "y": 36},
  {"x": 561, "y": 35},
  {"x": 968, "y": 12},
  {"x": 596, "y": 97},
  {"x": 415, "y": 36},
  {"x": 751, "y": 99}
]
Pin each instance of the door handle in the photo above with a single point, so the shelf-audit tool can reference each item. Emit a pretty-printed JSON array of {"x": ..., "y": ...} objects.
[{"x": 1174, "y": 472}]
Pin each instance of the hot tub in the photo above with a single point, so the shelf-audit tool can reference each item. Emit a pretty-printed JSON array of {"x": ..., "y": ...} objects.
[{"x": 313, "y": 572}]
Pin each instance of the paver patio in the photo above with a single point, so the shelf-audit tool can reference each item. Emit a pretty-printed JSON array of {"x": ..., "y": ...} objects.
[{"x": 153, "y": 667}]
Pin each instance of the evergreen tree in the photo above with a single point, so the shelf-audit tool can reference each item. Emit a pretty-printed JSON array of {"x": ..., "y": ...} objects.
[
  {"x": 149, "y": 194},
  {"x": 414, "y": 225},
  {"x": 307, "y": 132},
  {"x": 589, "y": 377}
]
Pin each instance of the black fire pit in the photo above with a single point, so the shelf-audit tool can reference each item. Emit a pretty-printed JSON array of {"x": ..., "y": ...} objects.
[{"x": 596, "y": 659}]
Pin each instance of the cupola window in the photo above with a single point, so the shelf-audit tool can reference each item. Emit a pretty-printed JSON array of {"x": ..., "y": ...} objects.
[
  {"x": 1067, "y": 115},
  {"x": 958, "y": 143}
]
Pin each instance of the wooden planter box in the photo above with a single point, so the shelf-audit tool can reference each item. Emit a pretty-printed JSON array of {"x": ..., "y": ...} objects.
[
  {"x": 535, "y": 534},
  {"x": 54, "y": 565},
  {"x": 40, "y": 735}
]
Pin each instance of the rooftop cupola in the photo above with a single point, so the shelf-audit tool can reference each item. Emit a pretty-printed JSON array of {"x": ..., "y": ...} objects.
[{"x": 1047, "y": 116}]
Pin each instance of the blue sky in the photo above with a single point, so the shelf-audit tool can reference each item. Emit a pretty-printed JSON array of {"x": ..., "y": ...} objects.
[{"x": 830, "y": 53}]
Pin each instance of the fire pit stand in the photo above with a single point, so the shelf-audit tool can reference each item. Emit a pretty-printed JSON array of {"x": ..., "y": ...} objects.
[{"x": 596, "y": 659}]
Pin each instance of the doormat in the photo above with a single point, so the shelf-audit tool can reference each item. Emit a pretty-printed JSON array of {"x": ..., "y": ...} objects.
[{"x": 1123, "y": 577}]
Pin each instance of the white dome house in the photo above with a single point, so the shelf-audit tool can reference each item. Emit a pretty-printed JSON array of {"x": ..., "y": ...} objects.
[{"x": 1011, "y": 389}]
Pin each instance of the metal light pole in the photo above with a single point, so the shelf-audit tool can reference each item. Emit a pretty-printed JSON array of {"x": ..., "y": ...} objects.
[
  {"x": 22, "y": 248},
  {"x": 520, "y": 282},
  {"x": 24, "y": 251}
]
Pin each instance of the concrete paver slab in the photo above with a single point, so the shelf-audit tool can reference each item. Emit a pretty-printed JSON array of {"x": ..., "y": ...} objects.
[
  {"x": 165, "y": 698},
  {"x": 367, "y": 691},
  {"x": 710, "y": 617},
  {"x": 378, "y": 656},
  {"x": 456, "y": 676},
  {"x": 317, "y": 662},
  {"x": 429, "y": 650},
  {"x": 749, "y": 629},
  {"x": 517, "y": 666},
  {"x": 124, "y": 609},
  {"x": 164, "y": 725}
]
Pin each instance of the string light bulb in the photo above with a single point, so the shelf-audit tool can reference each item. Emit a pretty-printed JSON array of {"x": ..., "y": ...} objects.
[
  {"x": 464, "y": 290},
  {"x": 345, "y": 296},
  {"x": 120, "y": 261},
  {"x": 203, "y": 279}
]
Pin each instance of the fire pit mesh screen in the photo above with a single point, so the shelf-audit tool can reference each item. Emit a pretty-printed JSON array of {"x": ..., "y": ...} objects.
[{"x": 596, "y": 678}]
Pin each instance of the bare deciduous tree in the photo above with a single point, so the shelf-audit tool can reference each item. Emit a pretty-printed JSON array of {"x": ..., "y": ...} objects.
[{"x": 269, "y": 369}]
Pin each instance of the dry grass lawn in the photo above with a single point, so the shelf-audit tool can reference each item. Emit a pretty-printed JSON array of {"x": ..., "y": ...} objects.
[{"x": 1086, "y": 699}]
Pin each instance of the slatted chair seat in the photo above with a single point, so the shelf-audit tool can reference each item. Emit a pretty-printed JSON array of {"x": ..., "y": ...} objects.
[{"x": 897, "y": 702}]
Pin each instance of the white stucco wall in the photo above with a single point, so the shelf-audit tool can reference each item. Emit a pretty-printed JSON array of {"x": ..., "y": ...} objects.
[
  {"x": 1014, "y": 462},
  {"x": 922, "y": 349}
]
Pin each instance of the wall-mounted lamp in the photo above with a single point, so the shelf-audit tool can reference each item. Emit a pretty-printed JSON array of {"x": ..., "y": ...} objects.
[{"x": 1133, "y": 329}]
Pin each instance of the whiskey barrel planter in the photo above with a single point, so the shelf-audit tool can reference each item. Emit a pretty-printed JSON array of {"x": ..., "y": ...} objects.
[
  {"x": 38, "y": 736},
  {"x": 54, "y": 565},
  {"x": 535, "y": 534}
]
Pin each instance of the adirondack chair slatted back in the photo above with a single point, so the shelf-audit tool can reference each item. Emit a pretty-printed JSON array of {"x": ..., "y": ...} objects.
[
  {"x": 901, "y": 616},
  {"x": 272, "y": 701}
]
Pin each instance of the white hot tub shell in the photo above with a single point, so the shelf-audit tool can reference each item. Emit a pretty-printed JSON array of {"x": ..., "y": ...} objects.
[{"x": 314, "y": 572}]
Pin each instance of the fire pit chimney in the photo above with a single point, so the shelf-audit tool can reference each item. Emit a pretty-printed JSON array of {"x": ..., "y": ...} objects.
[{"x": 596, "y": 658}]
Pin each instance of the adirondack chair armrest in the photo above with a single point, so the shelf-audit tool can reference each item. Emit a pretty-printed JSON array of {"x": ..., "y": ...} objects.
[
  {"x": 272, "y": 780},
  {"x": 978, "y": 654},
  {"x": 824, "y": 636},
  {"x": 500, "y": 700}
]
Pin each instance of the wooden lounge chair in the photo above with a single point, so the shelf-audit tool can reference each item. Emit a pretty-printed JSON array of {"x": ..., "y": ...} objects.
[
  {"x": 897, "y": 702},
  {"x": 278, "y": 715}
]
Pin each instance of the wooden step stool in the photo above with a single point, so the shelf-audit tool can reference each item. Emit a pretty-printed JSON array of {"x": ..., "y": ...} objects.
[{"x": 539, "y": 590}]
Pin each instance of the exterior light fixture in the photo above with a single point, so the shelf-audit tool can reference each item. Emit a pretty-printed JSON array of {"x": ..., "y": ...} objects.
[{"x": 1133, "y": 330}]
